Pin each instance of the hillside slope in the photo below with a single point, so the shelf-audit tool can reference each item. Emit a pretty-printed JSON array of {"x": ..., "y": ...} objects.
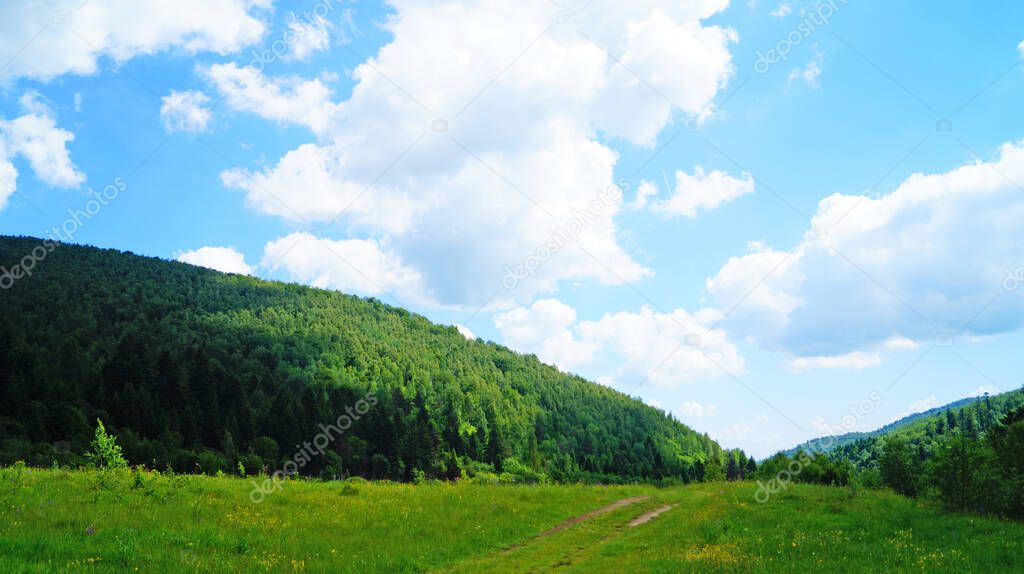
[
  {"x": 201, "y": 370},
  {"x": 972, "y": 416}
]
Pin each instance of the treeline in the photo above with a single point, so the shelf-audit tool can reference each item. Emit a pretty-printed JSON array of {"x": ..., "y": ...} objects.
[
  {"x": 969, "y": 458},
  {"x": 202, "y": 371},
  {"x": 968, "y": 468}
]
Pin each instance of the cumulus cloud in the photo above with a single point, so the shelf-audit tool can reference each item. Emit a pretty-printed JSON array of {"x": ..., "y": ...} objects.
[
  {"x": 546, "y": 329},
  {"x": 704, "y": 191},
  {"x": 692, "y": 409},
  {"x": 986, "y": 389},
  {"x": 286, "y": 100},
  {"x": 226, "y": 259},
  {"x": 459, "y": 150},
  {"x": 185, "y": 111},
  {"x": 312, "y": 35},
  {"x": 854, "y": 360},
  {"x": 749, "y": 432},
  {"x": 900, "y": 343},
  {"x": 35, "y": 137},
  {"x": 809, "y": 74},
  {"x": 361, "y": 266},
  {"x": 68, "y": 36},
  {"x": 918, "y": 406},
  {"x": 924, "y": 404},
  {"x": 782, "y": 10},
  {"x": 645, "y": 190},
  {"x": 465, "y": 332},
  {"x": 927, "y": 259},
  {"x": 664, "y": 348}
]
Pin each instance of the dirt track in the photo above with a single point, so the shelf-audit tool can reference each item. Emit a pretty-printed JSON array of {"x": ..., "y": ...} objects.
[
  {"x": 649, "y": 515},
  {"x": 583, "y": 517}
]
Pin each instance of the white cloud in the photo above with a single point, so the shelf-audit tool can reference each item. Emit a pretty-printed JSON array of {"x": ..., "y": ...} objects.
[
  {"x": 44, "y": 145},
  {"x": 697, "y": 410},
  {"x": 782, "y": 10},
  {"x": 740, "y": 432},
  {"x": 899, "y": 343},
  {"x": 751, "y": 434},
  {"x": 8, "y": 176},
  {"x": 1020, "y": 48},
  {"x": 926, "y": 259},
  {"x": 704, "y": 191},
  {"x": 226, "y": 259},
  {"x": 285, "y": 100},
  {"x": 35, "y": 137},
  {"x": 465, "y": 332},
  {"x": 990, "y": 389},
  {"x": 643, "y": 191},
  {"x": 546, "y": 329},
  {"x": 312, "y": 35},
  {"x": 68, "y": 36},
  {"x": 924, "y": 404},
  {"x": 824, "y": 428},
  {"x": 357, "y": 266},
  {"x": 809, "y": 73},
  {"x": 525, "y": 100},
  {"x": 854, "y": 360},
  {"x": 665, "y": 349},
  {"x": 185, "y": 111}
]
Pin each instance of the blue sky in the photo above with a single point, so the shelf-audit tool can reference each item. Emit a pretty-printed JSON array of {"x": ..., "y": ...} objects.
[{"x": 767, "y": 247}]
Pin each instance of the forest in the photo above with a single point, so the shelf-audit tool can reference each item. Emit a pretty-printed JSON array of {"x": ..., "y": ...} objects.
[
  {"x": 968, "y": 455},
  {"x": 200, "y": 371}
]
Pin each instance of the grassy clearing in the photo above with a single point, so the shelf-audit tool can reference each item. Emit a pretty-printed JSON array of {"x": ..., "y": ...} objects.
[
  {"x": 52, "y": 521},
  {"x": 719, "y": 528},
  {"x": 60, "y": 521}
]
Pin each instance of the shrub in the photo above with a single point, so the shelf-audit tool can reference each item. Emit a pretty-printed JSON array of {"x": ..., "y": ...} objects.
[{"x": 516, "y": 472}]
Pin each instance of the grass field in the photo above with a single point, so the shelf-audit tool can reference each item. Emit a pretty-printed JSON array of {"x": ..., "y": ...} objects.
[{"x": 89, "y": 521}]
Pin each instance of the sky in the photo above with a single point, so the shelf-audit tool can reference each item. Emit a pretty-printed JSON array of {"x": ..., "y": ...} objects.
[{"x": 775, "y": 220}]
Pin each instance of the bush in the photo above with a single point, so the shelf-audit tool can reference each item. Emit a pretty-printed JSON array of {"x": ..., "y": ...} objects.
[
  {"x": 515, "y": 472},
  {"x": 488, "y": 478},
  {"x": 212, "y": 462},
  {"x": 352, "y": 485}
]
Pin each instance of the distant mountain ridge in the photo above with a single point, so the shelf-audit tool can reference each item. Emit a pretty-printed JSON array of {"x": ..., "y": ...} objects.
[
  {"x": 822, "y": 445},
  {"x": 861, "y": 448}
]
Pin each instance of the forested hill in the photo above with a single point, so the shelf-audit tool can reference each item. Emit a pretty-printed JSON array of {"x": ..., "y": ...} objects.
[
  {"x": 202, "y": 370},
  {"x": 831, "y": 443},
  {"x": 924, "y": 431}
]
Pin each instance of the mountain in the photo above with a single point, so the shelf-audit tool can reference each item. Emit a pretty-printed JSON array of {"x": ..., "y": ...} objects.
[
  {"x": 205, "y": 371},
  {"x": 923, "y": 431}
]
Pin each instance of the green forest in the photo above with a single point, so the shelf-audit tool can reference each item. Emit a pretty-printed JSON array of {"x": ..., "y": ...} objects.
[
  {"x": 969, "y": 455},
  {"x": 200, "y": 371}
]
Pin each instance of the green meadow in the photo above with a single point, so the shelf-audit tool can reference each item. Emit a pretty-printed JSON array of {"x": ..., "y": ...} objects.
[{"x": 128, "y": 521}]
